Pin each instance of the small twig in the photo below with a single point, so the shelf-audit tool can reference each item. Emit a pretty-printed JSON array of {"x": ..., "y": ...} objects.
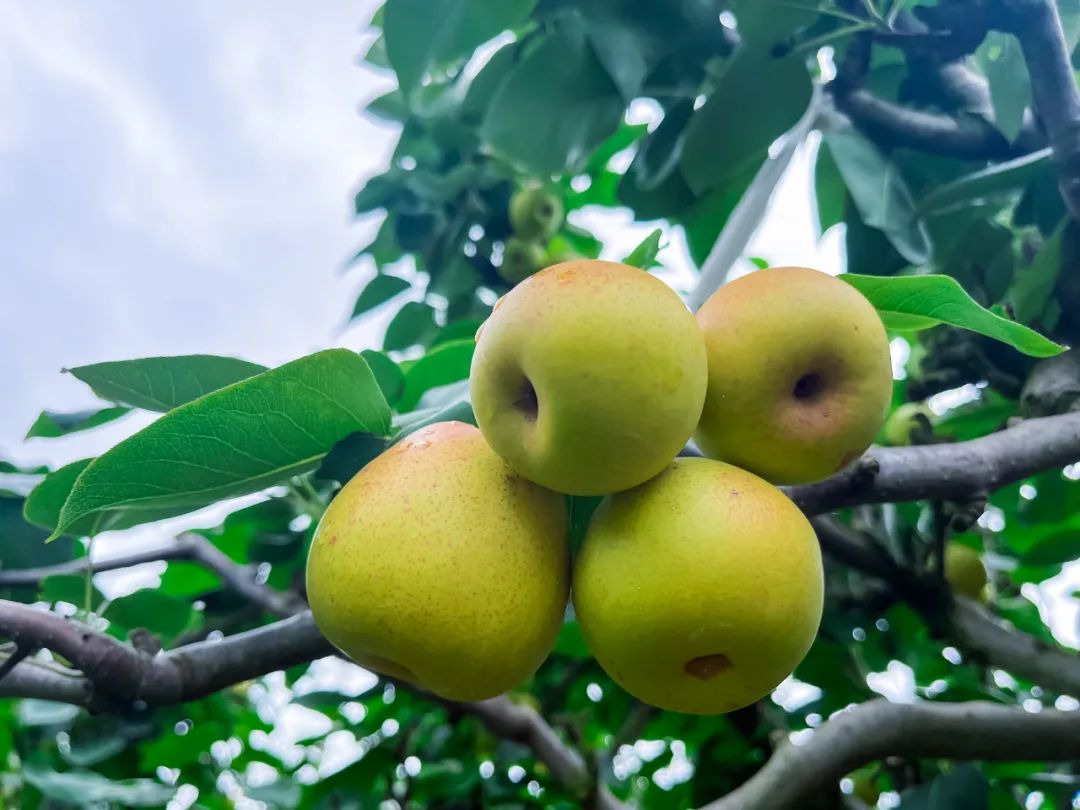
[{"x": 188, "y": 546}]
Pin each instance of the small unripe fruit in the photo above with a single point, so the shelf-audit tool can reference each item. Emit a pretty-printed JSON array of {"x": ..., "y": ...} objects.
[
  {"x": 910, "y": 419},
  {"x": 965, "y": 571},
  {"x": 520, "y": 260},
  {"x": 536, "y": 214}
]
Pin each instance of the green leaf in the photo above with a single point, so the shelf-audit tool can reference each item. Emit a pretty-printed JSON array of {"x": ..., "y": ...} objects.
[
  {"x": 570, "y": 642},
  {"x": 50, "y": 425},
  {"x": 880, "y": 193},
  {"x": 388, "y": 375},
  {"x": 556, "y": 106},
  {"x": 1003, "y": 63},
  {"x": 769, "y": 22},
  {"x": 1034, "y": 285},
  {"x": 644, "y": 255},
  {"x": 756, "y": 100},
  {"x": 996, "y": 179},
  {"x": 962, "y": 788},
  {"x": 70, "y": 588},
  {"x": 81, "y": 788},
  {"x": 446, "y": 364},
  {"x": 414, "y": 323},
  {"x": 349, "y": 456},
  {"x": 235, "y": 441},
  {"x": 22, "y": 545},
  {"x": 420, "y": 38},
  {"x": 1059, "y": 545},
  {"x": 188, "y": 580},
  {"x": 918, "y": 302},
  {"x": 181, "y": 750},
  {"x": 830, "y": 193},
  {"x": 156, "y": 611},
  {"x": 163, "y": 383},
  {"x": 46, "y": 501},
  {"x": 377, "y": 292}
]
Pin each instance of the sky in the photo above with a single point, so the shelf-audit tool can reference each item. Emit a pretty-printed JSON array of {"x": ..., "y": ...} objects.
[{"x": 176, "y": 178}]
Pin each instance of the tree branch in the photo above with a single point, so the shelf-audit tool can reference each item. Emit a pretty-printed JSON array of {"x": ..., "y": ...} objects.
[
  {"x": 970, "y": 626},
  {"x": 894, "y": 125},
  {"x": 1037, "y": 26},
  {"x": 954, "y": 471},
  {"x": 978, "y": 631},
  {"x": 878, "y": 729},
  {"x": 117, "y": 675},
  {"x": 188, "y": 546}
]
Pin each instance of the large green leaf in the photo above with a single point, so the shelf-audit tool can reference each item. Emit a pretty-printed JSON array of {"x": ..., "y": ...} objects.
[
  {"x": 235, "y": 441},
  {"x": 911, "y": 303},
  {"x": 50, "y": 425},
  {"x": 556, "y": 106},
  {"x": 163, "y": 383},
  {"x": 83, "y": 788},
  {"x": 756, "y": 100},
  {"x": 880, "y": 194},
  {"x": 420, "y": 37}
]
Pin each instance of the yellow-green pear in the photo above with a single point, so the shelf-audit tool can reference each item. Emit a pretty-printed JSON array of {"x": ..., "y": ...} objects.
[
  {"x": 965, "y": 571},
  {"x": 701, "y": 590},
  {"x": 535, "y": 213},
  {"x": 438, "y": 565},
  {"x": 589, "y": 377},
  {"x": 520, "y": 259},
  {"x": 800, "y": 376}
]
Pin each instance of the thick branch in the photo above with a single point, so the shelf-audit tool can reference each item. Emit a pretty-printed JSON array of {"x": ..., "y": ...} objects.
[
  {"x": 877, "y": 729},
  {"x": 1037, "y": 25},
  {"x": 978, "y": 631},
  {"x": 118, "y": 675},
  {"x": 948, "y": 471},
  {"x": 894, "y": 125}
]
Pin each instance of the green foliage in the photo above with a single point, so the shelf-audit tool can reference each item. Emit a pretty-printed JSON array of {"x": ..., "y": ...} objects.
[
  {"x": 962, "y": 257},
  {"x": 912, "y": 303}
]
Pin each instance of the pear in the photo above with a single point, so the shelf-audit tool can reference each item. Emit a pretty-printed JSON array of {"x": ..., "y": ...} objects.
[
  {"x": 436, "y": 564},
  {"x": 912, "y": 419},
  {"x": 701, "y": 590},
  {"x": 965, "y": 571},
  {"x": 535, "y": 213},
  {"x": 589, "y": 377},
  {"x": 800, "y": 375},
  {"x": 520, "y": 259}
]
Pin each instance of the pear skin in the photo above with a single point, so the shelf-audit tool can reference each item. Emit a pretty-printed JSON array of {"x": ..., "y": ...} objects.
[
  {"x": 437, "y": 564},
  {"x": 589, "y": 377},
  {"x": 800, "y": 376},
  {"x": 701, "y": 590}
]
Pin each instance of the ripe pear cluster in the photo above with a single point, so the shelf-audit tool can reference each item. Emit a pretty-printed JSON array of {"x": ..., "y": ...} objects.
[{"x": 698, "y": 586}]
